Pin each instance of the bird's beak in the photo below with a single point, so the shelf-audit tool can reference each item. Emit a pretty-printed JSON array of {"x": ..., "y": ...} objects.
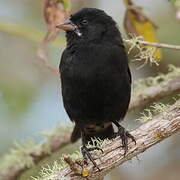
[{"x": 66, "y": 26}]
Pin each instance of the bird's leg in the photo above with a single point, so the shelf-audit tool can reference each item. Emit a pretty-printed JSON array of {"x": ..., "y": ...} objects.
[
  {"x": 86, "y": 151},
  {"x": 124, "y": 136}
]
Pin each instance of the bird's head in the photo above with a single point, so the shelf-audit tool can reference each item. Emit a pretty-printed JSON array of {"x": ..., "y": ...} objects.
[{"x": 90, "y": 24}]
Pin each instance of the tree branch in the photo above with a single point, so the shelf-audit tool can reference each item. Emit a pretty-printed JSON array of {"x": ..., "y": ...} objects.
[
  {"x": 60, "y": 139},
  {"x": 155, "y": 93},
  {"x": 162, "y": 126}
]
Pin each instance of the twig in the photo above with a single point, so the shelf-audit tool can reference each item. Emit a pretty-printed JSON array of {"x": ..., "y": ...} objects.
[
  {"x": 162, "y": 126},
  {"x": 159, "y": 45},
  {"x": 155, "y": 93}
]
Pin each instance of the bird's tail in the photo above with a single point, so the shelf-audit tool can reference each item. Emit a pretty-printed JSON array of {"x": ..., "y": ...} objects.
[
  {"x": 102, "y": 132},
  {"x": 76, "y": 134}
]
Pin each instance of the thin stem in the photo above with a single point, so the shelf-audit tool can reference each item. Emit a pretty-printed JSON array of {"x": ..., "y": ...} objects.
[{"x": 160, "y": 45}]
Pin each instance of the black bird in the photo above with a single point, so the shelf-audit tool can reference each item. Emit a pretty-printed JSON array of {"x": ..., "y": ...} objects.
[{"x": 95, "y": 77}]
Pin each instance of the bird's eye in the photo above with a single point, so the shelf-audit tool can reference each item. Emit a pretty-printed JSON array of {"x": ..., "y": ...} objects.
[{"x": 84, "y": 22}]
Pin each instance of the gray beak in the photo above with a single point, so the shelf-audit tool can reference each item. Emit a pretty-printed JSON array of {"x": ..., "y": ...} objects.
[{"x": 66, "y": 26}]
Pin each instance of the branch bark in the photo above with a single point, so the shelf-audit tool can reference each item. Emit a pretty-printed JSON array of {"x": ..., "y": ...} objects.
[
  {"x": 162, "y": 126},
  {"x": 155, "y": 93}
]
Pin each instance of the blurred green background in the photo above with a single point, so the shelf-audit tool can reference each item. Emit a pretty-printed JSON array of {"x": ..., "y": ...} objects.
[{"x": 30, "y": 99}]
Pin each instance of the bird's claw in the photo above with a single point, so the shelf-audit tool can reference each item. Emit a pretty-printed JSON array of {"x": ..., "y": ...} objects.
[
  {"x": 124, "y": 135},
  {"x": 86, "y": 154}
]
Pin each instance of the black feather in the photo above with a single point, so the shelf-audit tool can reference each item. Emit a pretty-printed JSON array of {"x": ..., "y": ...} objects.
[{"x": 96, "y": 80}]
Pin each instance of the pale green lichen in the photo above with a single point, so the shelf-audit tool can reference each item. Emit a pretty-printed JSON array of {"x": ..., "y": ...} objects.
[
  {"x": 19, "y": 155},
  {"x": 159, "y": 107},
  {"x": 49, "y": 172},
  {"x": 95, "y": 142},
  {"x": 145, "y": 53},
  {"x": 75, "y": 155},
  {"x": 156, "y": 108},
  {"x": 141, "y": 84},
  {"x": 146, "y": 116},
  {"x": 133, "y": 42}
]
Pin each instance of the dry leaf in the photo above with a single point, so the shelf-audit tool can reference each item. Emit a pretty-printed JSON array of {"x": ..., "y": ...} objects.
[
  {"x": 137, "y": 23},
  {"x": 55, "y": 12}
]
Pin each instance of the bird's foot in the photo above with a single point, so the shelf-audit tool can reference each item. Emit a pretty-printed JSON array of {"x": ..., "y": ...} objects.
[
  {"x": 124, "y": 135},
  {"x": 86, "y": 154}
]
